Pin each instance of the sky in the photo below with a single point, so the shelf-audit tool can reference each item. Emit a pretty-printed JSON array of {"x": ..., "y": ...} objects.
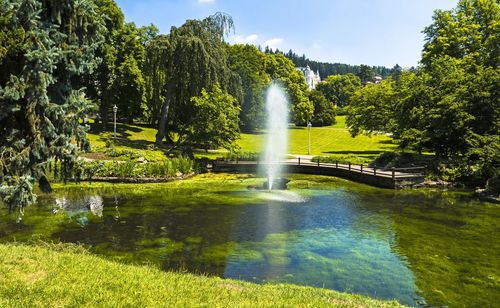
[{"x": 372, "y": 32}]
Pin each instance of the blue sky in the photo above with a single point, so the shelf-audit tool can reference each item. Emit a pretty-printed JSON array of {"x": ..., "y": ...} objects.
[{"x": 373, "y": 32}]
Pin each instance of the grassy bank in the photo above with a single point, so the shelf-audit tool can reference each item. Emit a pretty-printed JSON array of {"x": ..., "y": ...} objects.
[
  {"x": 62, "y": 276},
  {"x": 336, "y": 141}
]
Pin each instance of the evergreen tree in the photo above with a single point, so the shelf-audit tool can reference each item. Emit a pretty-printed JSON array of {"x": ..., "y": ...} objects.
[{"x": 52, "y": 42}]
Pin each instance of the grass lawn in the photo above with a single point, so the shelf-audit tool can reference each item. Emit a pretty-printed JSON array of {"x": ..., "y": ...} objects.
[
  {"x": 326, "y": 141},
  {"x": 56, "y": 276}
]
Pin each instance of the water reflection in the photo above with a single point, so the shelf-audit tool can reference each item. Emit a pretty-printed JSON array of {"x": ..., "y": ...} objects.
[{"x": 404, "y": 245}]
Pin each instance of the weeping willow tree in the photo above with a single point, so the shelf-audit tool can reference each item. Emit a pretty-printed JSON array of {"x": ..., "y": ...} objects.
[
  {"x": 50, "y": 44},
  {"x": 196, "y": 60},
  {"x": 155, "y": 75}
]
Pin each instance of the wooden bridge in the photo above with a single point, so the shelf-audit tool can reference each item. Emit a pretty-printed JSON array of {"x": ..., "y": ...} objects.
[{"x": 393, "y": 178}]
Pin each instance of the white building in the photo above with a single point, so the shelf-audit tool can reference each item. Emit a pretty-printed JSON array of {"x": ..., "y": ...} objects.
[{"x": 312, "y": 79}]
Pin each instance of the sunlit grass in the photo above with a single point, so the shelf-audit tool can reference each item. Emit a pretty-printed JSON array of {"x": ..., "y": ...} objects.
[
  {"x": 36, "y": 276},
  {"x": 333, "y": 141}
]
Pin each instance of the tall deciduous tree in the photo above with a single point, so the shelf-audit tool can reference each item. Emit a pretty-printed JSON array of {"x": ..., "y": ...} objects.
[
  {"x": 99, "y": 83},
  {"x": 282, "y": 69},
  {"x": 250, "y": 65},
  {"x": 52, "y": 43},
  {"x": 372, "y": 108},
  {"x": 339, "y": 89},
  {"x": 324, "y": 111},
  {"x": 214, "y": 122},
  {"x": 196, "y": 60}
]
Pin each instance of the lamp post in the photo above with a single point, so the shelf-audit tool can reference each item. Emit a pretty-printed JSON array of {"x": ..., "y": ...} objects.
[
  {"x": 115, "y": 109},
  {"x": 309, "y": 125}
]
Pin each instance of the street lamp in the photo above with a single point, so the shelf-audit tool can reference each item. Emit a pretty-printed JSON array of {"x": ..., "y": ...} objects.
[
  {"x": 309, "y": 125},
  {"x": 115, "y": 109}
]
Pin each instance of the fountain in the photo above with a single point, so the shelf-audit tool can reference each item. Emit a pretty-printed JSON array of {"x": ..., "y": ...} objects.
[{"x": 277, "y": 136}]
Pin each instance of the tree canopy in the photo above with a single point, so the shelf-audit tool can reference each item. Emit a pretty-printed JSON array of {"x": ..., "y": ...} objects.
[
  {"x": 50, "y": 43},
  {"x": 451, "y": 104}
]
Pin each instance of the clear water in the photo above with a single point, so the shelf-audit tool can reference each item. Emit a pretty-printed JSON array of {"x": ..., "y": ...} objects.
[{"x": 419, "y": 247}]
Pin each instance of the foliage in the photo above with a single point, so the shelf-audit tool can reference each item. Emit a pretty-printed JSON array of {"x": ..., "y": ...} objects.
[
  {"x": 250, "y": 65},
  {"x": 371, "y": 108},
  {"x": 339, "y": 89},
  {"x": 155, "y": 75},
  {"x": 213, "y": 123},
  {"x": 365, "y": 74},
  {"x": 493, "y": 185},
  {"x": 128, "y": 89},
  {"x": 52, "y": 44},
  {"x": 87, "y": 170},
  {"x": 324, "y": 111},
  {"x": 98, "y": 83},
  {"x": 451, "y": 105},
  {"x": 343, "y": 159},
  {"x": 283, "y": 70},
  {"x": 196, "y": 60},
  {"x": 328, "y": 69}
]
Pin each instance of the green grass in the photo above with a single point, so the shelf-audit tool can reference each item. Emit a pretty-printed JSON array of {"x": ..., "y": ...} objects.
[
  {"x": 335, "y": 141},
  {"x": 56, "y": 276},
  {"x": 332, "y": 141}
]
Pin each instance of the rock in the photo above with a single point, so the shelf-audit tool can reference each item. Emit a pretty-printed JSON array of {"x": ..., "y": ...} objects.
[{"x": 141, "y": 160}]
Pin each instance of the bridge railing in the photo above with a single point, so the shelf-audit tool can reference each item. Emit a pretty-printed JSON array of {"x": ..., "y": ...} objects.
[{"x": 395, "y": 173}]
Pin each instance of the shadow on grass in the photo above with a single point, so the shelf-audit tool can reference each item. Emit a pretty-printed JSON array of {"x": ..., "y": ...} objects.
[
  {"x": 356, "y": 152},
  {"x": 120, "y": 129}
]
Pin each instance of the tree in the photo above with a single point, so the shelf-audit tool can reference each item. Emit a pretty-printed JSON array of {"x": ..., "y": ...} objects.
[
  {"x": 250, "y": 65},
  {"x": 98, "y": 83},
  {"x": 339, "y": 89},
  {"x": 324, "y": 111},
  {"x": 366, "y": 73},
  {"x": 214, "y": 123},
  {"x": 155, "y": 75},
  {"x": 372, "y": 108},
  {"x": 52, "y": 43},
  {"x": 128, "y": 86},
  {"x": 196, "y": 60},
  {"x": 282, "y": 69},
  {"x": 128, "y": 89}
]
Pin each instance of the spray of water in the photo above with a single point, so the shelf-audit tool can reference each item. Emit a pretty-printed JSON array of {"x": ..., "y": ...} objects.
[{"x": 277, "y": 132}]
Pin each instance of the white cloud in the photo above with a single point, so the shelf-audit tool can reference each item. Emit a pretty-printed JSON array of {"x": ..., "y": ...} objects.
[
  {"x": 273, "y": 43},
  {"x": 206, "y": 1},
  {"x": 242, "y": 39}
]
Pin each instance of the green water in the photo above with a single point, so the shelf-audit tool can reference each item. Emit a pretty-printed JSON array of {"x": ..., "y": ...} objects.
[{"x": 420, "y": 247}]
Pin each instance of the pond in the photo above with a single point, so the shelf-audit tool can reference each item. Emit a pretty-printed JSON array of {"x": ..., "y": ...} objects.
[{"x": 421, "y": 247}]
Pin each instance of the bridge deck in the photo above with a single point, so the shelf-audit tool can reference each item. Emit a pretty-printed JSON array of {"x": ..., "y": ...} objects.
[{"x": 387, "y": 178}]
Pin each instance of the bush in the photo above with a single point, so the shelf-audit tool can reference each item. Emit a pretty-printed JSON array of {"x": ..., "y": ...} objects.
[
  {"x": 248, "y": 156},
  {"x": 493, "y": 185},
  {"x": 169, "y": 168}
]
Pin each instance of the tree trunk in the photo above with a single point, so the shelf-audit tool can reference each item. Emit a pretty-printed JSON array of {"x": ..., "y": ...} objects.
[
  {"x": 104, "y": 115},
  {"x": 162, "y": 123}
]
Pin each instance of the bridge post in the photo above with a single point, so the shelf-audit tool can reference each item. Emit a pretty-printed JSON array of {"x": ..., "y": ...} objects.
[
  {"x": 318, "y": 162},
  {"x": 393, "y": 173},
  {"x": 361, "y": 168},
  {"x": 299, "y": 160},
  {"x": 349, "y": 166},
  {"x": 374, "y": 170}
]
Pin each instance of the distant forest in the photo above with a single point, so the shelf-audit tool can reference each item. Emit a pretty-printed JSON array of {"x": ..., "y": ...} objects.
[{"x": 327, "y": 69}]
